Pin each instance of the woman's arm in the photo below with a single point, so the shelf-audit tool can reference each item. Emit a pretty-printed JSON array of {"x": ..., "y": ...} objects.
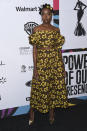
[{"x": 34, "y": 56}]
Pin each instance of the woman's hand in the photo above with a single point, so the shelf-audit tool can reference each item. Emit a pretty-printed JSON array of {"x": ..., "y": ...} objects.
[
  {"x": 35, "y": 74},
  {"x": 65, "y": 73}
]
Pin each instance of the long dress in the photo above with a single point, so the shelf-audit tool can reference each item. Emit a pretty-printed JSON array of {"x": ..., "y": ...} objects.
[{"x": 49, "y": 90}]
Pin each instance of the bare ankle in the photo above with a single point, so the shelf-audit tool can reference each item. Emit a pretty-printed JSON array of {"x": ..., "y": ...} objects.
[
  {"x": 51, "y": 110},
  {"x": 31, "y": 109}
]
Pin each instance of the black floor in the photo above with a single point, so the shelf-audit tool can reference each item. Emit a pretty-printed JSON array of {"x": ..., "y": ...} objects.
[{"x": 71, "y": 119}]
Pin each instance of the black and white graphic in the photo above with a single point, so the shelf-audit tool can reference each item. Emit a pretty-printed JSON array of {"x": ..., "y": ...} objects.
[
  {"x": 1, "y": 63},
  {"x": 28, "y": 83},
  {"x": 25, "y": 50},
  {"x": 79, "y": 30},
  {"x": 2, "y": 80},
  {"x": 27, "y": 98},
  {"x": 0, "y": 97},
  {"x": 24, "y": 9},
  {"x": 26, "y": 68},
  {"x": 76, "y": 73},
  {"x": 23, "y": 68},
  {"x": 73, "y": 23},
  {"x": 28, "y": 27}
]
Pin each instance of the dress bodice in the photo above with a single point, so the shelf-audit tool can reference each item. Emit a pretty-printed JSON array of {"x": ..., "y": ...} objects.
[{"x": 46, "y": 38}]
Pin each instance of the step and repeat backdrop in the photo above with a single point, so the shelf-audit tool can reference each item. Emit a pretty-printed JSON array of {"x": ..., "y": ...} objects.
[
  {"x": 18, "y": 18},
  {"x": 73, "y": 24}
]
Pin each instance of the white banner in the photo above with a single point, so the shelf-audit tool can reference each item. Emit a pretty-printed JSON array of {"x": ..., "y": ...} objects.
[
  {"x": 17, "y": 18},
  {"x": 73, "y": 23},
  {"x": 76, "y": 73}
]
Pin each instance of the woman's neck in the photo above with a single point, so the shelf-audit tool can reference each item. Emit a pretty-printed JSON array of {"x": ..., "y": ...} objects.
[{"x": 46, "y": 24}]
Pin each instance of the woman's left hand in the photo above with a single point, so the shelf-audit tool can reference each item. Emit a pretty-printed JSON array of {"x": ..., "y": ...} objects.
[{"x": 65, "y": 73}]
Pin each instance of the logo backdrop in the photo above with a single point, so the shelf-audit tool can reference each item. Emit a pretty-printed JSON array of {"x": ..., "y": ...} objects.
[
  {"x": 73, "y": 25},
  {"x": 16, "y": 58}
]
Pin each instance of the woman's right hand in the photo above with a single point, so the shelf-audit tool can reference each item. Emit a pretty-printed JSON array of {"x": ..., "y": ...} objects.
[{"x": 35, "y": 74}]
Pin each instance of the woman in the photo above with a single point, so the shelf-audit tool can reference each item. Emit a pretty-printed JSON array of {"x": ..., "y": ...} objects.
[{"x": 48, "y": 84}]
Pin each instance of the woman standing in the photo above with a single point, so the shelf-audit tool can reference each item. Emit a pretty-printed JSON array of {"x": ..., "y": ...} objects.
[{"x": 48, "y": 83}]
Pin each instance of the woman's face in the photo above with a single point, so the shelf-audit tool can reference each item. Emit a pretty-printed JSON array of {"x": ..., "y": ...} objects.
[{"x": 46, "y": 15}]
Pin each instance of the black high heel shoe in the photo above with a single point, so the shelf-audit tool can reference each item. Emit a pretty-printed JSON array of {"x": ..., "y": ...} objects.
[{"x": 51, "y": 121}]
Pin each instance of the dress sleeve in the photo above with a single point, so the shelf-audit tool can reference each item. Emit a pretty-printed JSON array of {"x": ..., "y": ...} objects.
[
  {"x": 33, "y": 39},
  {"x": 59, "y": 40}
]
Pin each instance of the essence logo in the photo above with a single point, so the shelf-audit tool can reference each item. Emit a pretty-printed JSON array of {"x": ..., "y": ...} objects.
[{"x": 28, "y": 27}]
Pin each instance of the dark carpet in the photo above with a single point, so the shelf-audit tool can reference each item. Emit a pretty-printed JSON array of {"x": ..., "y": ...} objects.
[{"x": 71, "y": 119}]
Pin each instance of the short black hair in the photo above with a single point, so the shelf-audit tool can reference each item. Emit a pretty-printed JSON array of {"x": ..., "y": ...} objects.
[{"x": 48, "y": 6}]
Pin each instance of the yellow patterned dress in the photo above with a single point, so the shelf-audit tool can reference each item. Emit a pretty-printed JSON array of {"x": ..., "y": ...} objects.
[{"x": 49, "y": 90}]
